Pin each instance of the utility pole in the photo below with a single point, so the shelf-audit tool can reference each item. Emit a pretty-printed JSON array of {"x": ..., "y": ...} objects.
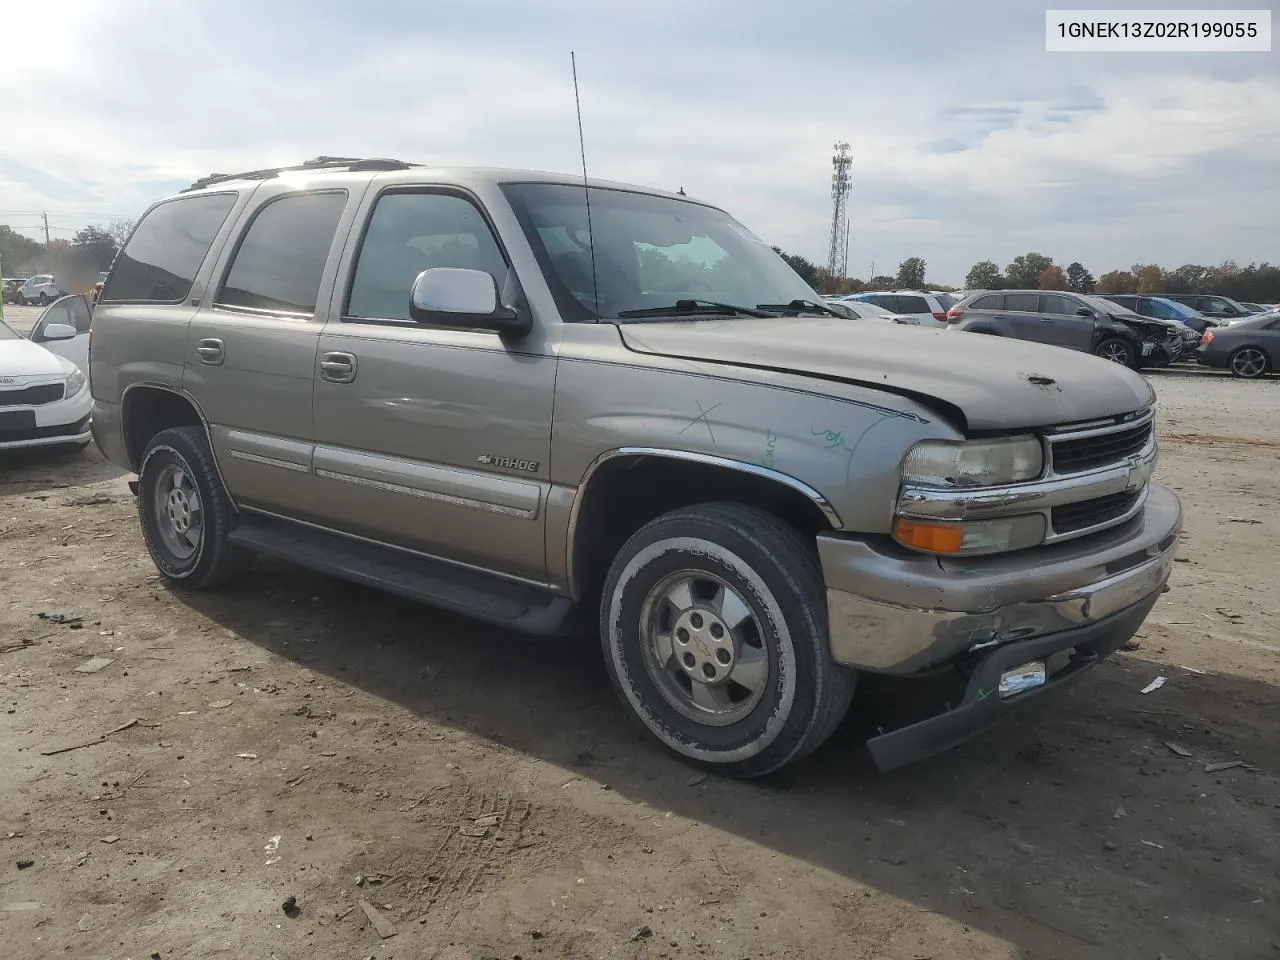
[{"x": 46, "y": 230}]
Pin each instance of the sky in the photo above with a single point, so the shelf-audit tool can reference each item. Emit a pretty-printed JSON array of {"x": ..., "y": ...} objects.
[{"x": 969, "y": 141}]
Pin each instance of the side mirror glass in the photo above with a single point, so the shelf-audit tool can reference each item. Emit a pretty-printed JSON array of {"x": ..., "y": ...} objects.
[
  {"x": 454, "y": 297},
  {"x": 58, "y": 331},
  {"x": 1084, "y": 312}
]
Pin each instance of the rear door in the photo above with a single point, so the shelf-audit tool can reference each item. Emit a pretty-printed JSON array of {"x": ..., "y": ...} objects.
[
  {"x": 251, "y": 348},
  {"x": 1062, "y": 324},
  {"x": 1022, "y": 317}
]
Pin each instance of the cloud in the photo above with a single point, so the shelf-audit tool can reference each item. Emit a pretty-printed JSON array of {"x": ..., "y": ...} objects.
[{"x": 969, "y": 141}]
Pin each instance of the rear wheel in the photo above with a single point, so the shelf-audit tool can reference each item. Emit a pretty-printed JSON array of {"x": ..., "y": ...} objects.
[
  {"x": 714, "y": 628},
  {"x": 1116, "y": 350},
  {"x": 43, "y": 300},
  {"x": 185, "y": 514},
  {"x": 1248, "y": 362}
]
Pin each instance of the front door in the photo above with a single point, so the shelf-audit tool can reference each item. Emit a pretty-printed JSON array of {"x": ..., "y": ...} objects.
[
  {"x": 70, "y": 312},
  {"x": 431, "y": 438}
]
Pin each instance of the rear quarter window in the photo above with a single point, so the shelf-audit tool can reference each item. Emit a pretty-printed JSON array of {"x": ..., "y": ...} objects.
[
  {"x": 990, "y": 302},
  {"x": 160, "y": 262},
  {"x": 1025, "y": 302},
  {"x": 913, "y": 305}
]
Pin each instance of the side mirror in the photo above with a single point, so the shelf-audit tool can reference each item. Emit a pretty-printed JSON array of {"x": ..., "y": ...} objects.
[
  {"x": 58, "y": 331},
  {"x": 454, "y": 297},
  {"x": 1084, "y": 312}
]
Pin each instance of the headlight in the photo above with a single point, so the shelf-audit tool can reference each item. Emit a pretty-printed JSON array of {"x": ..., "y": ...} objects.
[
  {"x": 974, "y": 463},
  {"x": 75, "y": 383}
]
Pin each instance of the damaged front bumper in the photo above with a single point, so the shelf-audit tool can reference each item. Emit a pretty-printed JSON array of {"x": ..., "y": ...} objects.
[{"x": 1066, "y": 606}]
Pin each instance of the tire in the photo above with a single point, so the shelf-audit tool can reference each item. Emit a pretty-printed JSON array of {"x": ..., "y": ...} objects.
[
  {"x": 185, "y": 513},
  {"x": 1117, "y": 350},
  {"x": 732, "y": 558},
  {"x": 21, "y": 300},
  {"x": 43, "y": 300},
  {"x": 1248, "y": 363}
]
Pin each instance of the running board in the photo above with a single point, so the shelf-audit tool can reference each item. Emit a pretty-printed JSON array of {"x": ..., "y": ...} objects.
[{"x": 461, "y": 590}]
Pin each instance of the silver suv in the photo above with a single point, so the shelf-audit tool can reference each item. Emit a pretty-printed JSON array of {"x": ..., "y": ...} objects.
[{"x": 458, "y": 386}]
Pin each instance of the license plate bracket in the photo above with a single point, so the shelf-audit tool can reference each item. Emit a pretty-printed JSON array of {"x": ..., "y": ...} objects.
[{"x": 14, "y": 420}]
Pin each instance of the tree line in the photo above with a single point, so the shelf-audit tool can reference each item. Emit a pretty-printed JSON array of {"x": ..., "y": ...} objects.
[
  {"x": 91, "y": 250},
  {"x": 1254, "y": 283}
]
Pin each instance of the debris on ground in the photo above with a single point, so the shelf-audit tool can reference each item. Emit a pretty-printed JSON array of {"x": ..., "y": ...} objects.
[
  {"x": 89, "y": 743},
  {"x": 25, "y": 862},
  {"x": 290, "y": 906},
  {"x": 1154, "y": 685},
  {"x": 695, "y": 780},
  {"x": 1153, "y": 844},
  {"x": 1242, "y": 520},
  {"x": 1225, "y": 765},
  {"x": 94, "y": 665},
  {"x": 220, "y": 704},
  {"x": 61, "y": 618},
  {"x": 643, "y": 933},
  {"x": 1131, "y": 645},
  {"x": 1179, "y": 750},
  {"x": 380, "y": 922},
  {"x": 109, "y": 840}
]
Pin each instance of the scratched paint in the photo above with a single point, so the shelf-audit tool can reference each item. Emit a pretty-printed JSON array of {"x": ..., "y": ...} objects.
[
  {"x": 770, "y": 448},
  {"x": 836, "y": 439},
  {"x": 703, "y": 416}
]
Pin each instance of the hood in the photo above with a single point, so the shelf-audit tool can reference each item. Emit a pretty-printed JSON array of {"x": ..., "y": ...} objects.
[
  {"x": 22, "y": 359},
  {"x": 992, "y": 382}
]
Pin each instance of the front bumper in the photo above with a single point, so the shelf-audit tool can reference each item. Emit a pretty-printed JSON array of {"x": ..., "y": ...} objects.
[
  {"x": 901, "y": 613},
  {"x": 64, "y": 421}
]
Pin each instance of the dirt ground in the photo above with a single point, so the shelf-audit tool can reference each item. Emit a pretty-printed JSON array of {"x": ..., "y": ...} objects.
[{"x": 300, "y": 737}]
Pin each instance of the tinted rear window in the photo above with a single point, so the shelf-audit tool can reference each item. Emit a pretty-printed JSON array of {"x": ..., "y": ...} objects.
[
  {"x": 282, "y": 256},
  {"x": 945, "y": 300},
  {"x": 162, "y": 258},
  {"x": 913, "y": 305},
  {"x": 1028, "y": 302}
]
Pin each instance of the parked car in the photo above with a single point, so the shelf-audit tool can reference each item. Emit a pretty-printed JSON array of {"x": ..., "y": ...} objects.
[
  {"x": 1248, "y": 348},
  {"x": 44, "y": 399},
  {"x": 1254, "y": 308},
  {"x": 40, "y": 289},
  {"x": 861, "y": 310},
  {"x": 63, "y": 328},
  {"x": 1190, "y": 324},
  {"x": 1219, "y": 308},
  {"x": 11, "y": 286},
  {"x": 1071, "y": 320},
  {"x": 439, "y": 382},
  {"x": 930, "y": 309}
]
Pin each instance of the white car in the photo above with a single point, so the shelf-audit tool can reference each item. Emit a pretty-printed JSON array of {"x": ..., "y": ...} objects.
[
  {"x": 861, "y": 310},
  {"x": 63, "y": 328},
  {"x": 44, "y": 397},
  {"x": 40, "y": 289},
  {"x": 929, "y": 307}
]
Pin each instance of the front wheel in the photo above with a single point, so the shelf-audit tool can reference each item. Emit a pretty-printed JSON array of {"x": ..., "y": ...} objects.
[
  {"x": 1248, "y": 362},
  {"x": 21, "y": 300},
  {"x": 185, "y": 514},
  {"x": 714, "y": 627},
  {"x": 1116, "y": 350}
]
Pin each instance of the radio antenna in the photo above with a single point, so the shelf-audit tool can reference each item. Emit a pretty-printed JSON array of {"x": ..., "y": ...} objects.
[{"x": 586, "y": 190}]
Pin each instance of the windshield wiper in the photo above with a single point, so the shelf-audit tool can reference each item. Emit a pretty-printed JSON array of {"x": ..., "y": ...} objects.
[
  {"x": 685, "y": 308},
  {"x": 797, "y": 307}
]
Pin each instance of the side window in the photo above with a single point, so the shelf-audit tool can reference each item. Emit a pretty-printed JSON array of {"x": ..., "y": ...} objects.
[
  {"x": 1024, "y": 302},
  {"x": 1214, "y": 305},
  {"x": 990, "y": 302},
  {"x": 282, "y": 254},
  {"x": 412, "y": 232},
  {"x": 1057, "y": 305},
  {"x": 912, "y": 305},
  {"x": 163, "y": 256},
  {"x": 1162, "y": 310}
]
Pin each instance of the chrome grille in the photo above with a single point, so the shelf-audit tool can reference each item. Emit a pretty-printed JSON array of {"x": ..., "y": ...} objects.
[
  {"x": 1090, "y": 513},
  {"x": 32, "y": 396},
  {"x": 1098, "y": 447}
]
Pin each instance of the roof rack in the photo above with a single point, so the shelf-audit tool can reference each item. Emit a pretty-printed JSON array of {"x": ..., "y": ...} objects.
[{"x": 354, "y": 164}]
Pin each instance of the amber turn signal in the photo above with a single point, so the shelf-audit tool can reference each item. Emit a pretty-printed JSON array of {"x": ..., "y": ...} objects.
[{"x": 934, "y": 537}]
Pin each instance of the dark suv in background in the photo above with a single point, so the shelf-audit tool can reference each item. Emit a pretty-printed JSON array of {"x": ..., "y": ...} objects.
[
  {"x": 1071, "y": 320},
  {"x": 1191, "y": 323},
  {"x": 1220, "y": 308}
]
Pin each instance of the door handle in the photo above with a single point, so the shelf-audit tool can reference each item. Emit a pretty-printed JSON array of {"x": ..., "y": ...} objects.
[
  {"x": 211, "y": 351},
  {"x": 338, "y": 367}
]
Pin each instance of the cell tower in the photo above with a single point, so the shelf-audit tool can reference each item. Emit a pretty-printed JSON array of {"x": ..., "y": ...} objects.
[{"x": 841, "y": 181}]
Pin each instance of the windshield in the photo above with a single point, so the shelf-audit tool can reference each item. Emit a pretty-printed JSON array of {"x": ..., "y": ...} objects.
[
  {"x": 1173, "y": 310},
  {"x": 650, "y": 252},
  {"x": 8, "y": 333},
  {"x": 869, "y": 309}
]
